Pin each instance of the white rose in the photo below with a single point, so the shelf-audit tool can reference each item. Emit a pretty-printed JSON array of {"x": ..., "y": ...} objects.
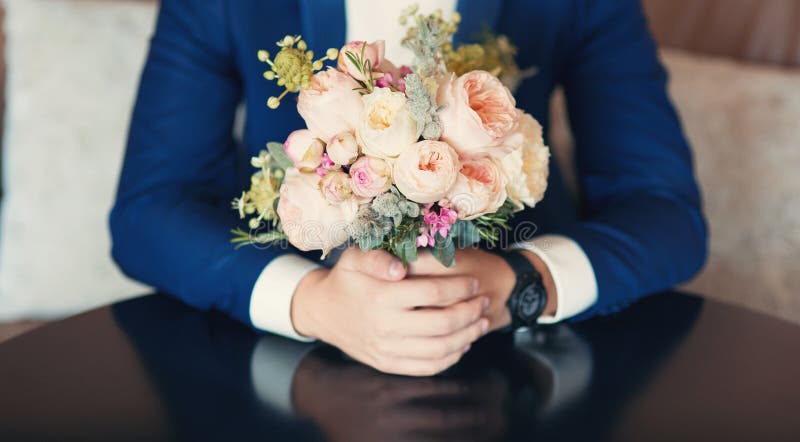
[
  {"x": 527, "y": 168},
  {"x": 479, "y": 189},
  {"x": 342, "y": 149},
  {"x": 426, "y": 171},
  {"x": 386, "y": 127}
]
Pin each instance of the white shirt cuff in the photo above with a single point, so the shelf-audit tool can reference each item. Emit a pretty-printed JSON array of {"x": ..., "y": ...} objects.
[
  {"x": 271, "y": 300},
  {"x": 573, "y": 275}
]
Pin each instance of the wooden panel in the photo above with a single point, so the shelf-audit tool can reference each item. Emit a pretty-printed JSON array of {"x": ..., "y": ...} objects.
[{"x": 765, "y": 31}]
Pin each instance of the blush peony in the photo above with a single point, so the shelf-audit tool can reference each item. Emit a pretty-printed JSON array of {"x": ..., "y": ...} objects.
[
  {"x": 426, "y": 171},
  {"x": 479, "y": 189},
  {"x": 330, "y": 105},
  {"x": 478, "y": 115},
  {"x": 527, "y": 168},
  {"x": 308, "y": 219},
  {"x": 386, "y": 126},
  {"x": 304, "y": 149}
]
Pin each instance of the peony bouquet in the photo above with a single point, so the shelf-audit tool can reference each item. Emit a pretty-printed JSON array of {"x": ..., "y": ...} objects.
[{"x": 434, "y": 155}]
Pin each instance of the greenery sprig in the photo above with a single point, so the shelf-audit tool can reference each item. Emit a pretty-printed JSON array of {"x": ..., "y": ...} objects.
[{"x": 364, "y": 67}]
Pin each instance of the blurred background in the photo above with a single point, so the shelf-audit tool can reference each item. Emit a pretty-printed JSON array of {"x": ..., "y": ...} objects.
[{"x": 70, "y": 68}]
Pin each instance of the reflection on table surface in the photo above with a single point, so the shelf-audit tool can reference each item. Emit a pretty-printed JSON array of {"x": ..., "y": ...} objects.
[{"x": 153, "y": 369}]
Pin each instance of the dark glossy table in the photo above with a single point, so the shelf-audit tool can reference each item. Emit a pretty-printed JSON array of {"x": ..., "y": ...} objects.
[{"x": 671, "y": 368}]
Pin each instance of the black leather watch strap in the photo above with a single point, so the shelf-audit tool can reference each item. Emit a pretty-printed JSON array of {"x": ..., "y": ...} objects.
[{"x": 528, "y": 297}]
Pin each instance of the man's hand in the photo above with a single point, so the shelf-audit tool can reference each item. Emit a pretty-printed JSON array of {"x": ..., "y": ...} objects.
[
  {"x": 494, "y": 275},
  {"x": 367, "y": 307}
]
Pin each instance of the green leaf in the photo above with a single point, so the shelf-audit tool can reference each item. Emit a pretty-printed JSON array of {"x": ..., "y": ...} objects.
[
  {"x": 370, "y": 242},
  {"x": 445, "y": 252},
  {"x": 465, "y": 234},
  {"x": 356, "y": 62},
  {"x": 279, "y": 155},
  {"x": 408, "y": 249}
]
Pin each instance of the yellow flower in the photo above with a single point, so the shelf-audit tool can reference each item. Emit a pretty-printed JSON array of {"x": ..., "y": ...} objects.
[{"x": 292, "y": 66}]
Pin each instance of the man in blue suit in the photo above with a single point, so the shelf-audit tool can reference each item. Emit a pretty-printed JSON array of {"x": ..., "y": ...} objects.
[{"x": 636, "y": 229}]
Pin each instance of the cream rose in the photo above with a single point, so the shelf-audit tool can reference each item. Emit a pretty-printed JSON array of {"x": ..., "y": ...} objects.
[
  {"x": 335, "y": 187},
  {"x": 308, "y": 219},
  {"x": 527, "y": 168},
  {"x": 480, "y": 188},
  {"x": 426, "y": 171},
  {"x": 386, "y": 127},
  {"x": 372, "y": 51},
  {"x": 370, "y": 177},
  {"x": 304, "y": 149},
  {"x": 330, "y": 105},
  {"x": 478, "y": 115},
  {"x": 343, "y": 149}
]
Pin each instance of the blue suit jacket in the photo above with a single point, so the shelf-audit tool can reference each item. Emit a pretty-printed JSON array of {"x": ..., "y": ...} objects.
[{"x": 638, "y": 217}]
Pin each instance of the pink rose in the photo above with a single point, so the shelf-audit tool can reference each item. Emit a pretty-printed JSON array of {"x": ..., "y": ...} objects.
[
  {"x": 343, "y": 149},
  {"x": 335, "y": 187},
  {"x": 304, "y": 149},
  {"x": 426, "y": 170},
  {"x": 372, "y": 52},
  {"x": 330, "y": 105},
  {"x": 370, "y": 177},
  {"x": 479, "y": 113},
  {"x": 307, "y": 218},
  {"x": 479, "y": 189}
]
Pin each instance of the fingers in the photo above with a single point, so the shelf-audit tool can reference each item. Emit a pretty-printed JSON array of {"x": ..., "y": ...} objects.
[
  {"x": 378, "y": 264},
  {"x": 444, "y": 321},
  {"x": 439, "y": 347},
  {"x": 426, "y": 264},
  {"x": 432, "y": 291}
]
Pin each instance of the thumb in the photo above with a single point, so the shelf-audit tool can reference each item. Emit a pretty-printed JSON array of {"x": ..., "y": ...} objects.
[{"x": 378, "y": 264}]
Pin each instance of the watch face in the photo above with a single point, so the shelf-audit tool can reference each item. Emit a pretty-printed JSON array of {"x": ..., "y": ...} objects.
[{"x": 530, "y": 300}]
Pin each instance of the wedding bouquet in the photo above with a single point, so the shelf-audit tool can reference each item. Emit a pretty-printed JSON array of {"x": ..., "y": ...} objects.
[{"x": 435, "y": 155}]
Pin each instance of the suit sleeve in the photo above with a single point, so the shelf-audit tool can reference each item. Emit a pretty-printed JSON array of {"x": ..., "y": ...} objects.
[
  {"x": 642, "y": 226},
  {"x": 171, "y": 222}
]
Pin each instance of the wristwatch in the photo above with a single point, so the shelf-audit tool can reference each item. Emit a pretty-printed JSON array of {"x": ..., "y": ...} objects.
[{"x": 528, "y": 297}]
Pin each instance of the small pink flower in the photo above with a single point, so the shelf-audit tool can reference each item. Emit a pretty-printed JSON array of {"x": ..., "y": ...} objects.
[
  {"x": 393, "y": 76},
  {"x": 385, "y": 81},
  {"x": 435, "y": 223},
  {"x": 326, "y": 165}
]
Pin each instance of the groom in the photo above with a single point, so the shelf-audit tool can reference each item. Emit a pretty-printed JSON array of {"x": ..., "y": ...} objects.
[{"x": 636, "y": 229}]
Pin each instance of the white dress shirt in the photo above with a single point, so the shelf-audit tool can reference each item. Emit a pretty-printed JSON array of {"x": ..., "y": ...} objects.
[{"x": 271, "y": 300}]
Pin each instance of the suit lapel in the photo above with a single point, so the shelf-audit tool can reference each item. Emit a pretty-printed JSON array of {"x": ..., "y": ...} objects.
[
  {"x": 476, "y": 16},
  {"x": 323, "y": 23}
]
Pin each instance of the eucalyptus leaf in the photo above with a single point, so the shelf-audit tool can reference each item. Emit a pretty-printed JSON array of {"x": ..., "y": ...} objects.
[
  {"x": 279, "y": 155},
  {"x": 445, "y": 252},
  {"x": 465, "y": 234},
  {"x": 408, "y": 249}
]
